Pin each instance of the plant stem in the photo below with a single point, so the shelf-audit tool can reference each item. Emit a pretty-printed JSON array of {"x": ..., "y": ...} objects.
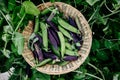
[
  {"x": 111, "y": 14},
  {"x": 89, "y": 75},
  {"x": 20, "y": 22},
  {"x": 6, "y": 19},
  {"x": 97, "y": 70}
]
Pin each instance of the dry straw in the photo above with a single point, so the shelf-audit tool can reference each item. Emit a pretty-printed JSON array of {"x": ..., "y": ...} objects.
[{"x": 84, "y": 51}]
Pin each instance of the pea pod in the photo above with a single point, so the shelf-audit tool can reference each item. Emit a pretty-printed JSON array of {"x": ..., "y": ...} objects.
[
  {"x": 67, "y": 26},
  {"x": 63, "y": 63},
  {"x": 67, "y": 34},
  {"x": 43, "y": 27},
  {"x": 62, "y": 42},
  {"x": 36, "y": 29},
  {"x": 68, "y": 46},
  {"x": 78, "y": 24},
  {"x": 71, "y": 53},
  {"x": 45, "y": 61},
  {"x": 46, "y": 11}
]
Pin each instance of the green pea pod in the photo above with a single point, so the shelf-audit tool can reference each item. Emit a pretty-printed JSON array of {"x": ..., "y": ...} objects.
[
  {"x": 78, "y": 24},
  {"x": 68, "y": 46},
  {"x": 42, "y": 63},
  {"x": 62, "y": 42},
  {"x": 65, "y": 32},
  {"x": 63, "y": 63},
  {"x": 36, "y": 29},
  {"x": 43, "y": 27},
  {"x": 71, "y": 53},
  {"x": 67, "y": 26},
  {"x": 45, "y": 11},
  {"x": 56, "y": 52}
]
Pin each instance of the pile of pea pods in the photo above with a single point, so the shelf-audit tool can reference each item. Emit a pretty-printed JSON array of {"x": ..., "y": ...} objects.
[{"x": 55, "y": 39}]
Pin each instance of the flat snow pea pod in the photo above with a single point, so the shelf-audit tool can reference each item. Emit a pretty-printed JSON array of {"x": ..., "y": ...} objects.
[
  {"x": 67, "y": 26},
  {"x": 43, "y": 27},
  {"x": 63, "y": 63},
  {"x": 78, "y": 24},
  {"x": 42, "y": 63},
  {"x": 65, "y": 32},
  {"x": 68, "y": 45},
  {"x": 46, "y": 11},
  {"x": 71, "y": 53},
  {"x": 56, "y": 51},
  {"x": 62, "y": 42},
  {"x": 36, "y": 28}
]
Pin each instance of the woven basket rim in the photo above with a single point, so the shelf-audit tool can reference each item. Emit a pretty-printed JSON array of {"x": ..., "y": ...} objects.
[{"x": 84, "y": 51}]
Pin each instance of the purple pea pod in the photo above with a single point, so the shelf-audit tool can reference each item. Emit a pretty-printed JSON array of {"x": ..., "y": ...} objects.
[
  {"x": 72, "y": 22},
  {"x": 50, "y": 55},
  {"x": 52, "y": 39},
  {"x": 52, "y": 25},
  {"x": 55, "y": 35},
  {"x": 38, "y": 52},
  {"x": 39, "y": 38},
  {"x": 76, "y": 37},
  {"x": 70, "y": 58}
]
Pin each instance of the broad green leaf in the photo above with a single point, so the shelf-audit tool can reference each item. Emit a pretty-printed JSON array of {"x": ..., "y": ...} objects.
[
  {"x": 18, "y": 41},
  {"x": 116, "y": 76},
  {"x": 102, "y": 20},
  {"x": 6, "y": 53},
  {"x": 6, "y": 37},
  {"x": 91, "y": 2},
  {"x": 108, "y": 44},
  {"x": 30, "y": 8},
  {"x": 95, "y": 45},
  {"x": 40, "y": 76},
  {"x": 11, "y": 4},
  {"x": 7, "y": 29},
  {"x": 102, "y": 55}
]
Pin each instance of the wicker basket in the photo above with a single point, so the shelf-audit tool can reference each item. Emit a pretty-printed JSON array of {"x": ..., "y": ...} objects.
[{"x": 84, "y": 51}]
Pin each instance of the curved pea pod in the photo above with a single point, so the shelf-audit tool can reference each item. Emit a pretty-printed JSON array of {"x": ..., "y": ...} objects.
[
  {"x": 43, "y": 27},
  {"x": 72, "y": 22},
  {"x": 71, "y": 53},
  {"x": 36, "y": 28},
  {"x": 62, "y": 42},
  {"x": 33, "y": 39},
  {"x": 70, "y": 58},
  {"x": 67, "y": 26},
  {"x": 68, "y": 45},
  {"x": 52, "y": 25},
  {"x": 56, "y": 51},
  {"x": 52, "y": 39},
  {"x": 65, "y": 32},
  {"x": 38, "y": 52},
  {"x": 50, "y": 55},
  {"x": 42, "y": 63},
  {"x": 54, "y": 35},
  {"x": 46, "y": 11}
]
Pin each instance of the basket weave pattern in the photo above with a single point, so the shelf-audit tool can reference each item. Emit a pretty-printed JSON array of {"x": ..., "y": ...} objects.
[{"x": 84, "y": 51}]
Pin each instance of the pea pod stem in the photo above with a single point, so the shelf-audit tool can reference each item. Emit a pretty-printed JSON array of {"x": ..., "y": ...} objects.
[{"x": 62, "y": 42}]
